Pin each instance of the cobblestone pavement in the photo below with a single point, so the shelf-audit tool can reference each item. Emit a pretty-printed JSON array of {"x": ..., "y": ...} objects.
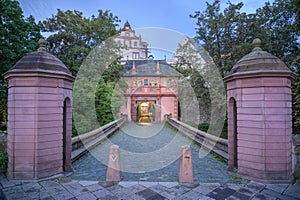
[
  {"x": 64, "y": 188},
  {"x": 144, "y": 139}
]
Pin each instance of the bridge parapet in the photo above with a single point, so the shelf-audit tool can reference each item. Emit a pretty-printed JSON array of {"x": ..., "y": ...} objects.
[
  {"x": 218, "y": 146},
  {"x": 82, "y": 143}
]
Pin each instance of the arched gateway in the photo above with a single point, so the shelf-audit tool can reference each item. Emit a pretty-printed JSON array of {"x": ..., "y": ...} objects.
[{"x": 153, "y": 84}]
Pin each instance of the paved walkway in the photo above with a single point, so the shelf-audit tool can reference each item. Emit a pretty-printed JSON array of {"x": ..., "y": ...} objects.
[
  {"x": 151, "y": 153},
  {"x": 212, "y": 181},
  {"x": 64, "y": 188}
]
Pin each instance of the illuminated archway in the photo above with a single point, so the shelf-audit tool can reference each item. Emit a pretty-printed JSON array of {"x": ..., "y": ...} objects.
[{"x": 145, "y": 112}]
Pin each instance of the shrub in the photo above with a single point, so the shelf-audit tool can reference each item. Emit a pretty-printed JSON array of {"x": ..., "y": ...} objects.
[
  {"x": 203, "y": 126},
  {"x": 3, "y": 156}
]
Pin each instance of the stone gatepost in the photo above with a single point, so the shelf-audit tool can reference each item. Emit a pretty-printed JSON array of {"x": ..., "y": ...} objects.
[
  {"x": 113, "y": 173},
  {"x": 186, "y": 165},
  {"x": 39, "y": 116},
  {"x": 260, "y": 117}
]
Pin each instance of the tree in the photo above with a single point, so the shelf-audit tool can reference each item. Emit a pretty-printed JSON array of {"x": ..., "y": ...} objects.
[
  {"x": 224, "y": 34},
  {"x": 282, "y": 40},
  {"x": 201, "y": 90},
  {"x": 227, "y": 36},
  {"x": 18, "y": 36},
  {"x": 296, "y": 97},
  {"x": 296, "y": 6},
  {"x": 95, "y": 86},
  {"x": 84, "y": 42},
  {"x": 108, "y": 97},
  {"x": 74, "y": 35}
]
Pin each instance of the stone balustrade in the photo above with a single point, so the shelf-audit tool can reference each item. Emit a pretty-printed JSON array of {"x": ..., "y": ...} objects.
[
  {"x": 217, "y": 145},
  {"x": 82, "y": 143}
]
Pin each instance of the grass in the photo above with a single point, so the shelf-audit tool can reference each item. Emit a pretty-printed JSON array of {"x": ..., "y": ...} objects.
[
  {"x": 236, "y": 179},
  {"x": 218, "y": 158}
]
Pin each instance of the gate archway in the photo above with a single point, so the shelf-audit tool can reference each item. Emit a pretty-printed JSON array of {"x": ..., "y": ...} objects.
[{"x": 145, "y": 112}]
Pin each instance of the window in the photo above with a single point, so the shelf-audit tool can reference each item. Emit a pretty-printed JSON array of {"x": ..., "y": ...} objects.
[
  {"x": 135, "y": 43},
  {"x": 170, "y": 83},
  {"x": 145, "y": 82},
  {"x": 135, "y": 55},
  {"x": 139, "y": 89}
]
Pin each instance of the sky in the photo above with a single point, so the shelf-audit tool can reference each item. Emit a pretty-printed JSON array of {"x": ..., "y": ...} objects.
[{"x": 167, "y": 14}]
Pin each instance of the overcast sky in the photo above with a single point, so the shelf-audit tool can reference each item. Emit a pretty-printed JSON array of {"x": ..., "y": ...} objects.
[{"x": 169, "y": 14}]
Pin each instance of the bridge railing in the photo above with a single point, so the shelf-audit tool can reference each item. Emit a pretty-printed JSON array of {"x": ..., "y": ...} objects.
[
  {"x": 218, "y": 146},
  {"x": 84, "y": 142}
]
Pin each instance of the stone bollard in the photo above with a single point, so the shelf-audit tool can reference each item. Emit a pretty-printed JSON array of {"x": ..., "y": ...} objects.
[
  {"x": 186, "y": 167},
  {"x": 113, "y": 173}
]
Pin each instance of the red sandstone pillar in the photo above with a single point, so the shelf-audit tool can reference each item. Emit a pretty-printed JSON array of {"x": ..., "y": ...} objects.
[
  {"x": 113, "y": 173},
  {"x": 39, "y": 116},
  {"x": 186, "y": 167},
  {"x": 260, "y": 117}
]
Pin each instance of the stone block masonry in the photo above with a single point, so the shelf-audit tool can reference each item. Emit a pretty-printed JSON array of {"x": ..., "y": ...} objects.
[
  {"x": 260, "y": 117},
  {"x": 296, "y": 157},
  {"x": 39, "y": 117}
]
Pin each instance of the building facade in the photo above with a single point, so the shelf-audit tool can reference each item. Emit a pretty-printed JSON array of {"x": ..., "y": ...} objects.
[
  {"x": 152, "y": 91},
  {"x": 132, "y": 46}
]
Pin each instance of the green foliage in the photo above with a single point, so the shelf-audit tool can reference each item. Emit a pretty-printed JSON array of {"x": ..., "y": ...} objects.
[
  {"x": 74, "y": 130},
  {"x": 18, "y": 36},
  {"x": 192, "y": 124},
  {"x": 219, "y": 158},
  {"x": 296, "y": 98},
  {"x": 212, "y": 129},
  {"x": 108, "y": 97},
  {"x": 74, "y": 35},
  {"x": 197, "y": 83},
  {"x": 203, "y": 126},
  {"x": 201, "y": 74},
  {"x": 76, "y": 41},
  {"x": 280, "y": 37},
  {"x": 97, "y": 91},
  {"x": 224, "y": 34},
  {"x": 3, "y": 156},
  {"x": 236, "y": 179},
  {"x": 108, "y": 102},
  {"x": 227, "y": 36},
  {"x": 296, "y": 6}
]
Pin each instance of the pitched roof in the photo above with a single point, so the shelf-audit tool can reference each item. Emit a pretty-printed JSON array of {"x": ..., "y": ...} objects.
[
  {"x": 148, "y": 68},
  {"x": 126, "y": 26}
]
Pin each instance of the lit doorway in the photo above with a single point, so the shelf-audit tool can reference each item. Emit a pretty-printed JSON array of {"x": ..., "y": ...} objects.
[{"x": 145, "y": 112}]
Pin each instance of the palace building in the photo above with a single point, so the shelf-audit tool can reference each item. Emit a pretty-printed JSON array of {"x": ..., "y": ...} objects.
[
  {"x": 152, "y": 84},
  {"x": 152, "y": 90},
  {"x": 132, "y": 46}
]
